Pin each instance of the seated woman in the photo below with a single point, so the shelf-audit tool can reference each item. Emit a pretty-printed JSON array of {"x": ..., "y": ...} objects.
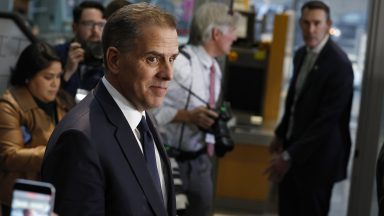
[{"x": 29, "y": 111}]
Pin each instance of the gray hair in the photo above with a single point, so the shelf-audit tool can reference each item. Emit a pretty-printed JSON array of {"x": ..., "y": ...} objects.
[{"x": 208, "y": 16}]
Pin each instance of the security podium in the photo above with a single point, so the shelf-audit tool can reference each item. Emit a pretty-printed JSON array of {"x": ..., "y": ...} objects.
[{"x": 253, "y": 84}]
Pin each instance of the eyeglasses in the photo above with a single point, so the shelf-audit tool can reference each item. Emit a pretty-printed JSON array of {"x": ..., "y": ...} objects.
[{"x": 91, "y": 24}]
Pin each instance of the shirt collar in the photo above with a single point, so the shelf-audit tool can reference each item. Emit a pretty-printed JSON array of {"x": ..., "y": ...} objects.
[
  {"x": 206, "y": 60},
  {"x": 132, "y": 115},
  {"x": 320, "y": 46}
]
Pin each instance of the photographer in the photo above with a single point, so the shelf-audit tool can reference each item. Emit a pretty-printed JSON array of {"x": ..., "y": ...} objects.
[
  {"x": 184, "y": 116},
  {"x": 82, "y": 56},
  {"x": 29, "y": 111}
]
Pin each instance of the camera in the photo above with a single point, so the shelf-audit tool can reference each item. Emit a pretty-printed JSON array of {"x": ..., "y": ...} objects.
[
  {"x": 93, "y": 53},
  {"x": 91, "y": 69},
  {"x": 223, "y": 140}
]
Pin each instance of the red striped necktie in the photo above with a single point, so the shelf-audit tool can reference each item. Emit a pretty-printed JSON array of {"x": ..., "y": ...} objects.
[{"x": 211, "y": 146}]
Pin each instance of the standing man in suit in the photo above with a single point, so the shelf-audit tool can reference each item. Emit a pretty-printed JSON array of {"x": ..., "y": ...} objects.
[
  {"x": 312, "y": 142},
  {"x": 106, "y": 157}
]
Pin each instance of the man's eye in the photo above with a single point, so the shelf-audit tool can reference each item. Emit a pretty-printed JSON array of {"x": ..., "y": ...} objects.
[
  {"x": 171, "y": 60},
  {"x": 152, "y": 60}
]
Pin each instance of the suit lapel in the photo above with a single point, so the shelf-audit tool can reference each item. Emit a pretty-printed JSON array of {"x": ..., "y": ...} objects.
[
  {"x": 133, "y": 154},
  {"x": 315, "y": 70},
  {"x": 165, "y": 161},
  {"x": 130, "y": 148},
  {"x": 297, "y": 61}
]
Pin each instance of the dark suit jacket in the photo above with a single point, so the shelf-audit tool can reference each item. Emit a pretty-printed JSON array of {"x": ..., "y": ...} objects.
[
  {"x": 320, "y": 141},
  {"x": 96, "y": 164}
]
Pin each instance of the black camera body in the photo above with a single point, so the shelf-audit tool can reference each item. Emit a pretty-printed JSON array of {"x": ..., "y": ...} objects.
[
  {"x": 223, "y": 139},
  {"x": 93, "y": 53},
  {"x": 91, "y": 69}
]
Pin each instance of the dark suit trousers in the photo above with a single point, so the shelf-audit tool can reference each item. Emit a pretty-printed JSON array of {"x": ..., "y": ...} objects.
[
  {"x": 300, "y": 197},
  {"x": 6, "y": 210}
]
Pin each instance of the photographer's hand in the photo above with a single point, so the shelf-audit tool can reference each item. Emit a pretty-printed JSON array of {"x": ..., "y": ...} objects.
[
  {"x": 200, "y": 116},
  {"x": 75, "y": 56},
  {"x": 203, "y": 117}
]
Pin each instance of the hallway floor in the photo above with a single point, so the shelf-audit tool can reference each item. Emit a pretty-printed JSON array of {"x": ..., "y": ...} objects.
[{"x": 339, "y": 203}]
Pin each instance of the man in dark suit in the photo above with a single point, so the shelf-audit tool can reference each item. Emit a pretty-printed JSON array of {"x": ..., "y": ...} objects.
[
  {"x": 312, "y": 142},
  {"x": 105, "y": 157}
]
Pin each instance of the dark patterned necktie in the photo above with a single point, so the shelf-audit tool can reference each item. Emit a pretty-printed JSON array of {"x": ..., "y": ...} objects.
[{"x": 149, "y": 153}]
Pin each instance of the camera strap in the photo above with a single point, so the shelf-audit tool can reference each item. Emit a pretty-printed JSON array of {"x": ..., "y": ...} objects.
[
  {"x": 188, "y": 56},
  {"x": 183, "y": 125}
]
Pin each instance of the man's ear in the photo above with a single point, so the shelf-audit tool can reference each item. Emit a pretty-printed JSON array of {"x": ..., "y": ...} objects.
[
  {"x": 215, "y": 33},
  {"x": 112, "y": 58}
]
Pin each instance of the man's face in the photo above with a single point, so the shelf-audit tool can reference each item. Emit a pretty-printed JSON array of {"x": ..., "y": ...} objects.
[
  {"x": 145, "y": 71},
  {"x": 225, "y": 39},
  {"x": 90, "y": 25},
  {"x": 314, "y": 26}
]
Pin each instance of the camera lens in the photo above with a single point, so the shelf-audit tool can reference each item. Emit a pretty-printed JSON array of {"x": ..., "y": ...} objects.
[
  {"x": 95, "y": 49},
  {"x": 223, "y": 140},
  {"x": 93, "y": 55}
]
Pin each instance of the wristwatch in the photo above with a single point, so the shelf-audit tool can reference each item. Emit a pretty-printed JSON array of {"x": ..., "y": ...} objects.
[{"x": 285, "y": 156}]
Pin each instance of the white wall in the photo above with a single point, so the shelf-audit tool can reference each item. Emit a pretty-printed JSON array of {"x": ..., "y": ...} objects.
[{"x": 362, "y": 200}]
